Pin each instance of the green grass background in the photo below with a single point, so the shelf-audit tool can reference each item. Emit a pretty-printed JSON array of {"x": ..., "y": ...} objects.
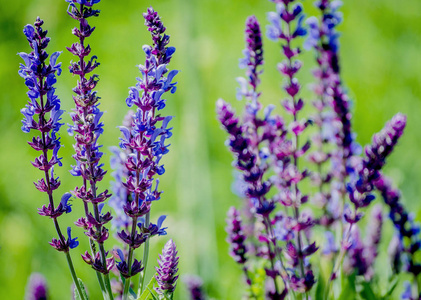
[{"x": 381, "y": 64}]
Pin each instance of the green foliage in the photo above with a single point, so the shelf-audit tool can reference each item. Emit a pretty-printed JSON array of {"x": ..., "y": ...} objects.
[
  {"x": 149, "y": 293},
  {"x": 348, "y": 288},
  {"x": 76, "y": 292}
]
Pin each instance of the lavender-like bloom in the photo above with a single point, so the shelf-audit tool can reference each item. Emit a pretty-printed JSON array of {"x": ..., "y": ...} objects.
[
  {"x": 86, "y": 129},
  {"x": 195, "y": 287},
  {"x": 144, "y": 143},
  {"x": 408, "y": 240},
  {"x": 248, "y": 137},
  {"x": 167, "y": 269},
  {"x": 40, "y": 78},
  {"x": 37, "y": 288},
  {"x": 376, "y": 153},
  {"x": 286, "y": 26},
  {"x": 236, "y": 238}
]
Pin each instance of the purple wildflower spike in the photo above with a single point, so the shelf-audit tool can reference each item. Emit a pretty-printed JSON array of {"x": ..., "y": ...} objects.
[
  {"x": 87, "y": 127},
  {"x": 236, "y": 238},
  {"x": 37, "y": 288},
  {"x": 167, "y": 269},
  {"x": 376, "y": 153},
  {"x": 144, "y": 142},
  {"x": 195, "y": 287},
  {"x": 40, "y": 78},
  {"x": 253, "y": 54},
  {"x": 407, "y": 241}
]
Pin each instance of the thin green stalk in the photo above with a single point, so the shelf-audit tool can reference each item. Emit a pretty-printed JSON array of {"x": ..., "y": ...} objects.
[
  {"x": 98, "y": 274},
  {"x": 75, "y": 279},
  {"x": 129, "y": 260},
  {"x": 107, "y": 275},
  {"x": 145, "y": 259}
]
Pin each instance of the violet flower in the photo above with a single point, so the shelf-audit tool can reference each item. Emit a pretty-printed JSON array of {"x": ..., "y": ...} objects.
[
  {"x": 195, "y": 287},
  {"x": 250, "y": 139},
  {"x": 408, "y": 240},
  {"x": 43, "y": 113},
  {"x": 144, "y": 142},
  {"x": 167, "y": 270},
  {"x": 36, "y": 288},
  {"x": 286, "y": 26},
  {"x": 236, "y": 237},
  {"x": 86, "y": 128},
  {"x": 376, "y": 153}
]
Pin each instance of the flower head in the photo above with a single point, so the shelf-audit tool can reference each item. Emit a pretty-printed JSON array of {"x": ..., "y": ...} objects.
[{"x": 167, "y": 269}]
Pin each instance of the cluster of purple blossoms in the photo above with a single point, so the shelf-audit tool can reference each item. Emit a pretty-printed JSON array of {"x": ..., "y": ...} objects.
[
  {"x": 167, "y": 269},
  {"x": 407, "y": 241},
  {"x": 263, "y": 145},
  {"x": 143, "y": 144},
  {"x": 267, "y": 151},
  {"x": 43, "y": 113},
  {"x": 86, "y": 129}
]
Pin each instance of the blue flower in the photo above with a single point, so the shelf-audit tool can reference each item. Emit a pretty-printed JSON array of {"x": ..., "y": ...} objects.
[
  {"x": 64, "y": 201},
  {"x": 71, "y": 242}
]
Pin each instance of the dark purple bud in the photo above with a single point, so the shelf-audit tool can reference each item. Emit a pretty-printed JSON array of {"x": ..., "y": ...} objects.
[
  {"x": 36, "y": 288},
  {"x": 195, "y": 287},
  {"x": 236, "y": 237}
]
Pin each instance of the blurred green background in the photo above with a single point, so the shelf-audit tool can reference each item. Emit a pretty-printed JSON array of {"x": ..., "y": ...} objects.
[{"x": 381, "y": 64}]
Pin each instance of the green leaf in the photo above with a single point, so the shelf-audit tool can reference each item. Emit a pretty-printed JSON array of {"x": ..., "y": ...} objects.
[
  {"x": 149, "y": 293},
  {"x": 393, "y": 283},
  {"x": 367, "y": 292},
  {"x": 84, "y": 294},
  {"x": 320, "y": 288},
  {"x": 348, "y": 288}
]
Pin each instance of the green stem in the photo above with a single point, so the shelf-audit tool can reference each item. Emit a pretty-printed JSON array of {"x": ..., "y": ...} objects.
[
  {"x": 75, "y": 279},
  {"x": 98, "y": 274},
  {"x": 107, "y": 275},
  {"x": 145, "y": 259},
  {"x": 129, "y": 260}
]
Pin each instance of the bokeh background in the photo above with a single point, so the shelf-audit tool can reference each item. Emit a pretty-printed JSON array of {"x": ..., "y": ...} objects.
[{"x": 380, "y": 51}]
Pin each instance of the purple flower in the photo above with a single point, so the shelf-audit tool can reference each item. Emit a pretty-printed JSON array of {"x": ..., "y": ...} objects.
[
  {"x": 144, "y": 140},
  {"x": 376, "y": 153},
  {"x": 407, "y": 240},
  {"x": 195, "y": 287},
  {"x": 40, "y": 78},
  {"x": 167, "y": 269},
  {"x": 236, "y": 238},
  {"x": 86, "y": 129},
  {"x": 253, "y": 52},
  {"x": 36, "y": 288}
]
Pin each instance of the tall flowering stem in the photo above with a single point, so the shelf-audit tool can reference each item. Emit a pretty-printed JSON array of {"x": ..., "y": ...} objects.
[
  {"x": 360, "y": 190},
  {"x": 43, "y": 113},
  {"x": 145, "y": 139},
  {"x": 86, "y": 129},
  {"x": 249, "y": 140},
  {"x": 286, "y": 26},
  {"x": 408, "y": 233},
  {"x": 324, "y": 39}
]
